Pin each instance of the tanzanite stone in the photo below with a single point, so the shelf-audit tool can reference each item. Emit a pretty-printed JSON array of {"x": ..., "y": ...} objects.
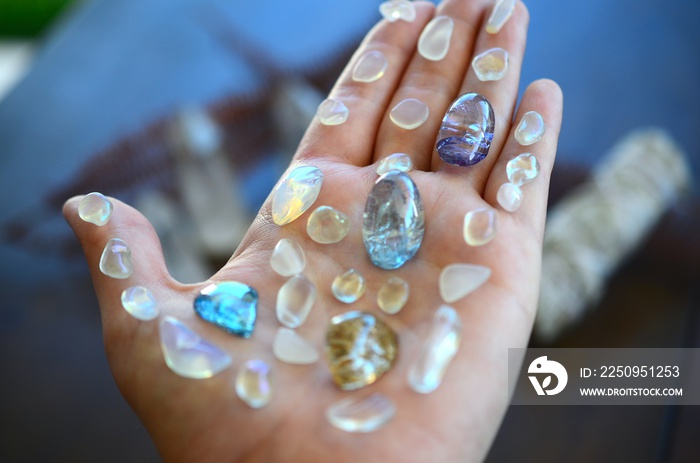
[
  {"x": 467, "y": 131},
  {"x": 229, "y": 305}
]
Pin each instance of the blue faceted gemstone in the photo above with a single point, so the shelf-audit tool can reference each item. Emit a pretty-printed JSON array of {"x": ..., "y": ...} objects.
[
  {"x": 229, "y": 305},
  {"x": 467, "y": 131},
  {"x": 394, "y": 223}
]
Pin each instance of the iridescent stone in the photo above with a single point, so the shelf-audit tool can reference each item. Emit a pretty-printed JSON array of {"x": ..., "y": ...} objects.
[
  {"x": 116, "y": 259},
  {"x": 458, "y": 280},
  {"x": 230, "y": 305},
  {"x": 439, "y": 348},
  {"x": 479, "y": 226},
  {"x": 502, "y": 10},
  {"x": 370, "y": 67},
  {"x": 530, "y": 129},
  {"x": 332, "y": 112},
  {"x": 287, "y": 258},
  {"x": 522, "y": 169},
  {"x": 187, "y": 354},
  {"x": 394, "y": 10},
  {"x": 394, "y": 224},
  {"x": 327, "y": 225},
  {"x": 392, "y": 296},
  {"x": 289, "y": 347},
  {"x": 434, "y": 41},
  {"x": 509, "y": 196},
  {"x": 361, "y": 415},
  {"x": 95, "y": 208},
  {"x": 409, "y": 114},
  {"x": 360, "y": 348},
  {"x": 397, "y": 161},
  {"x": 467, "y": 131},
  {"x": 491, "y": 64},
  {"x": 349, "y": 286},
  {"x": 296, "y": 193},
  {"x": 253, "y": 384},
  {"x": 294, "y": 301},
  {"x": 140, "y": 303}
]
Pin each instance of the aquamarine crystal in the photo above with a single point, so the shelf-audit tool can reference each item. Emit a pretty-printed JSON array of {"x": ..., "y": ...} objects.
[
  {"x": 229, "y": 305},
  {"x": 466, "y": 131}
]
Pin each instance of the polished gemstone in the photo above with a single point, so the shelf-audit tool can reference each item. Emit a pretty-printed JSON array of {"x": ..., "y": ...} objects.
[
  {"x": 409, "y": 114},
  {"x": 116, "y": 259},
  {"x": 95, "y": 208},
  {"x": 394, "y": 224},
  {"x": 295, "y": 193},
  {"x": 393, "y": 294},
  {"x": 253, "y": 384},
  {"x": 479, "y": 226},
  {"x": 434, "y": 41},
  {"x": 360, "y": 348},
  {"x": 509, "y": 196},
  {"x": 491, "y": 64},
  {"x": 467, "y": 130},
  {"x": 287, "y": 258},
  {"x": 332, "y": 112},
  {"x": 502, "y": 10},
  {"x": 327, "y": 225},
  {"x": 140, "y": 303},
  {"x": 349, "y": 286},
  {"x": 530, "y": 129},
  {"x": 522, "y": 169},
  {"x": 439, "y": 348},
  {"x": 187, "y": 354},
  {"x": 361, "y": 415},
  {"x": 394, "y": 10},
  {"x": 397, "y": 161},
  {"x": 289, "y": 347},
  {"x": 370, "y": 67},
  {"x": 458, "y": 280},
  {"x": 294, "y": 301},
  {"x": 230, "y": 305}
]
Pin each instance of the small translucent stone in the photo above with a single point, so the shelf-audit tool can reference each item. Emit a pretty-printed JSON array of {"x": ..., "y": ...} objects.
[
  {"x": 398, "y": 9},
  {"x": 361, "y": 415},
  {"x": 458, "y": 280},
  {"x": 392, "y": 296},
  {"x": 479, "y": 226},
  {"x": 332, "y": 112},
  {"x": 327, "y": 225},
  {"x": 253, "y": 384},
  {"x": 294, "y": 301},
  {"x": 296, "y": 193},
  {"x": 397, "y": 161},
  {"x": 116, "y": 260},
  {"x": 287, "y": 258},
  {"x": 491, "y": 64},
  {"x": 187, "y": 354},
  {"x": 140, "y": 303},
  {"x": 522, "y": 169},
  {"x": 530, "y": 129},
  {"x": 428, "y": 368},
  {"x": 500, "y": 14},
  {"x": 466, "y": 131},
  {"x": 370, "y": 67},
  {"x": 289, "y": 347},
  {"x": 434, "y": 41},
  {"x": 230, "y": 305},
  {"x": 95, "y": 208},
  {"x": 349, "y": 286},
  {"x": 509, "y": 196},
  {"x": 409, "y": 114}
]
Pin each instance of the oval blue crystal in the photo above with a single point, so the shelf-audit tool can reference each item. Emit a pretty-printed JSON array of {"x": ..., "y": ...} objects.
[
  {"x": 394, "y": 224},
  {"x": 229, "y": 305},
  {"x": 466, "y": 131}
]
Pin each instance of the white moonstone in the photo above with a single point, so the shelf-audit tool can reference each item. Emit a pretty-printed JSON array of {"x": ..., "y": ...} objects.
[
  {"x": 253, "y": 384},
  {"x": 434, "y": 41},
  {"x": 95, "y": 208},
  {"x": 522, "y": 169},
  {"x": 397, "y": 161},
  {"x": 502, "y": 10},
  {"x": 509, "y": 196},
  {"x": 349, "y": 286},
  {"x": 530, "y": 129},
  {"x": 491, "y": 64},
  {"x": 393, "y": 295},
  {"x": 409, "y": 114},
  {"x": 458, "y": 280},
  {"x": 332, "y": 112},
  {"x": 479, "y": 226},
  {"x": 287, "y": 258},
  {"x": 398, "y": 9},
  {"x": 294, "y": 301},
  {"x": 439, "y": 348},
  {"x": 116, "y": 259},
  {"x": 296, "y": 193},
  {"x": 140, "y": 303},
  {"x": 187, "y": 354},
  {"x": 370, "y": 67},
  {"x": 289, "y": 347},
  {"x": 361, "y": 415}
]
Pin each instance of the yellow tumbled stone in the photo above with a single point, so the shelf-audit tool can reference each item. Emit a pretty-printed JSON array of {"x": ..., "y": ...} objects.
[
  {"x": 327, "y": 225},
  {"x": 479, "y": 226},
  {"x": 392, "y": 296},
  {"x": 349, "y": 286}
]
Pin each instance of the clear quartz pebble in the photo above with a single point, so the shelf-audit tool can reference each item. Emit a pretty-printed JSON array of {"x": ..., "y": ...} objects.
[
  {"x": 434, "y": 41},
  {"x": 349, "y": 286},
  {"x": 370, "y": 67},
  {"x": 394, "y": 10},
  {"x": 409, "y": 114},
  {"x": 479, "y": 226},
  {"x": 327, "y": 225},
  {"x": 502, "y": 11},
  {"x": 491, "y": 65},
  {"x": 289, "y": 347},
  {"x": 95, "y": 208},
  {"x": 287, "y": 258},
  {"x": 459, "y": 280},
  {"x": 332, "y": 112},
  {"x": 397, "y": 161},
  {"x": 522, "y": 169},
  {"x": 392, "y": 296},
  {"x": 530, "y": 129},
  {"x": 296, "y": 193},
  {"x": 116, "y": 259},
  {"x": 140, "y": 303},
  {"x": 253, "y": 384},
  {"x": 509, "y": 196},
  {"x": 294, "y": 301},
  {"x": 428, "y": 369},
  {"x": 361, "y": 415}
]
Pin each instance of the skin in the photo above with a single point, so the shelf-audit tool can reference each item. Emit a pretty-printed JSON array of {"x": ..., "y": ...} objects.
[{"x": 203, "y": 420}]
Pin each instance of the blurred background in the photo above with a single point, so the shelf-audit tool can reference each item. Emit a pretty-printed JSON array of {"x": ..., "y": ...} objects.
[{"x": 167, "y": 104}]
